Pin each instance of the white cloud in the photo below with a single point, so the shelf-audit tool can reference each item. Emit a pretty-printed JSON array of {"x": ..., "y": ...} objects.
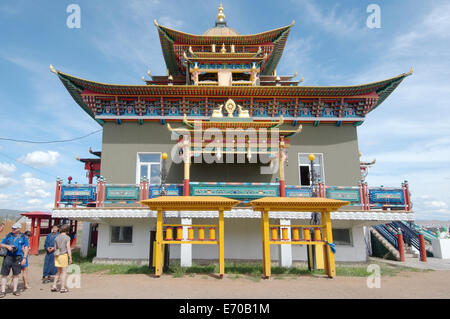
[
  {"x": 6, "y": 181},
  {"x": 7, "y": 169},
  {"x": 170, "y": 22},
  {"x": 342, "y": 23},
  {"x": 34, "y": 202},
  {"x": 41, "y": 159},
  {"x": 4, "y": 197}
]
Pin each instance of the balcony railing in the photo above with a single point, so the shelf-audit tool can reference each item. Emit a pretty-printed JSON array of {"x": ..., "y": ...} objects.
[{"x": 361, "y": 197}]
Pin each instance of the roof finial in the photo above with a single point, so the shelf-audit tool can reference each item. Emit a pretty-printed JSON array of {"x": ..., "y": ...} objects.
[
  {"x": 221, "y": 18},
  {"x": 221, "y": 15}
]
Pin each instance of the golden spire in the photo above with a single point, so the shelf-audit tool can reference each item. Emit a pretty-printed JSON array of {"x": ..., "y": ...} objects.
[{"x": 221, "y": 15}]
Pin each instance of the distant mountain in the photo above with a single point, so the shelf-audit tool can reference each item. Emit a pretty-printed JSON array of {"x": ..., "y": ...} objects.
[{"x": 10, "y": 213}]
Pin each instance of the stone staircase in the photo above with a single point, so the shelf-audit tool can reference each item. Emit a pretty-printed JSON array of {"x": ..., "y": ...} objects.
[{"x": 385, "y": 243}]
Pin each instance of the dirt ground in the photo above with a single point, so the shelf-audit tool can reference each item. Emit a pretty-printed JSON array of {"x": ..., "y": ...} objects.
[{"x": 430, "y": 284}]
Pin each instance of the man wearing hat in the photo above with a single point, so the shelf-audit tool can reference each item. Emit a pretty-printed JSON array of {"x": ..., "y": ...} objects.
[{"x": 16, "y": 244}]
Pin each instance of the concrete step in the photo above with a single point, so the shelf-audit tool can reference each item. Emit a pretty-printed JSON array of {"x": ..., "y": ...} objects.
[{"x": 385, "y": 243}]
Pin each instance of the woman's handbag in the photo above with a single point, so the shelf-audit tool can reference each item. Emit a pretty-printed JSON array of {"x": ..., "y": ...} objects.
[{"x": 3, "y": 252}]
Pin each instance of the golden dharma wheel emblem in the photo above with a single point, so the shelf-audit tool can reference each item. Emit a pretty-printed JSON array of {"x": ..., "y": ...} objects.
[{"x": 230, "y": 106}]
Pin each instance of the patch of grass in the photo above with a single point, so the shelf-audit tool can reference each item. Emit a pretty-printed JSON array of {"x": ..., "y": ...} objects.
[
  {"x": 252, "y": 271},
  {"x": 244, "y": 268}
]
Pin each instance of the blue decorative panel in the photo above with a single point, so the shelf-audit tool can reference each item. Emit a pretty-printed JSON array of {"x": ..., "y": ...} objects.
[
  {"x": 348, "y": 194},
  {"x": 386, "y": 197},
  {"x": 240, "y": 191},
  {"x": 122, "y": 192},
  {"x": 171, "y": 190},
  {"x": 295, "y": 191},
  {"x": 78, "y": 193}
]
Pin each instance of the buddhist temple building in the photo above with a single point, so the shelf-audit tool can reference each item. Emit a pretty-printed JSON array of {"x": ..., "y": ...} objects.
[{"x": 232, "y": 127}]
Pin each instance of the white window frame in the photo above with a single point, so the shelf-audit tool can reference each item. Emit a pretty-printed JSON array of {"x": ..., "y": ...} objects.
[
  {"x": 309, "y": 165},
  {"x": 138, "y": 164},
  {"x": 121, "y": 244}
]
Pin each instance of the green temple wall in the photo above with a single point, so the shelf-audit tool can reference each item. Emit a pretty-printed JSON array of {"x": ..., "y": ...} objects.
[{"x": 121, "y": 143}]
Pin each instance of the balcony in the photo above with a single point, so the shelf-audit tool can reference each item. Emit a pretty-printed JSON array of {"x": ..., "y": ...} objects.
[{"x": 361, "y": 197}]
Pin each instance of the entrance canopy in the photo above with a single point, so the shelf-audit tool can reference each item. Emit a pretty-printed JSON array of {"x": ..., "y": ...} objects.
[
  {"x": 297, "y": 204},
  {"x": 188, "y": 203}
]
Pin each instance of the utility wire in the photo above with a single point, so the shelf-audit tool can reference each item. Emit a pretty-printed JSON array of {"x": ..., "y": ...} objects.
[{"x": 48, "y": 142}]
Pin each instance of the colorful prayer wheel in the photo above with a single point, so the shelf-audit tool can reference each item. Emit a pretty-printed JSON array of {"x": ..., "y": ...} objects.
[
  {"x": 307, "y": 234},
  {"x": 169, "y": 233},
  {"x": 190, "y": 233},
  {"x": 179, "y": 233},
  {"x": 274, "y": 233},
  {"x": 212, "y": 233},
  {"x": 201, "y": 233},
  {"x": 284, "y": 233},
  {"x": 295, "y": 234},
  {"x": 317, "y": 236}
]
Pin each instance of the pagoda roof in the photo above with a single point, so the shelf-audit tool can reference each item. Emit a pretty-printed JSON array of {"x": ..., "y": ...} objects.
[
  {"x": 169, "y": 37},
  {"x": 78, "y": 87}
]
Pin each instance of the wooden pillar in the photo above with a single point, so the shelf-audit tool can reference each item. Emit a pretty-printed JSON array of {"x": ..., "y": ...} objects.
[
  {"x": 330, "y": 266},
  {"x": 423, "y": 251},
  {"x": 400, "y": 245},
  {"x": 33, "y": 238},
  {"x": 35, "y": 249},
  {"x": 266, "y": 243},
  {"x": 158, "y": 245},
  {"x": 187, "y": 163},
  {"x": 221, "y": 244},
  {"x": 75, "y": 228},
  {"x": 58, "y": 193},
  {"x": 281, "y": 167}
]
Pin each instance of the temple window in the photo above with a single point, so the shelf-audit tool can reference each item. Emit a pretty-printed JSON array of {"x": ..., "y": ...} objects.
[
  {"x": 121, "y": 234},
  {"x": 241, "y": 76},
  {"x": 305, "y": 168},
  {"x": 208, "y": 77},
  {"x": 342, "y": 236},
  {"x": 149, "y": 167}
]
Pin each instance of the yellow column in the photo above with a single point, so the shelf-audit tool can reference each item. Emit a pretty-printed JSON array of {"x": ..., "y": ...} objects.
[
  {"x": 158, "y": 248},
  {"x": 221, "y": 245},
  {"x": 320, "y": 264},
  {"x": 330, "y": 266},
  {"x": 266, "y": 243}
]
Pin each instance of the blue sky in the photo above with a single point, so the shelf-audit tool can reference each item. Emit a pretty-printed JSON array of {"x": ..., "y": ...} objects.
[{"x": 330, "y": 44}]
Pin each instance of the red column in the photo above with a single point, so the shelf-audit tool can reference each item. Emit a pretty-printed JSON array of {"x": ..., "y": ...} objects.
[
  {"x": 186, "y": 187},
  {"x": 58, "y": 193},
  {"x": 282, "y": 188},
  {"x": 75, "y": 224},
  {"x": 423, "y": 251},
  {"x": 401, "y": 247},
  {"x": 34, "y": 247},
  {"x": 33, "y": 235},
  {"x": 361, "y": 196}
]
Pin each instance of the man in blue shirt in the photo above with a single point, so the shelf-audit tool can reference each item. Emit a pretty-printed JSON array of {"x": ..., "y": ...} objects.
[{"x": 17, "y": 246}]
